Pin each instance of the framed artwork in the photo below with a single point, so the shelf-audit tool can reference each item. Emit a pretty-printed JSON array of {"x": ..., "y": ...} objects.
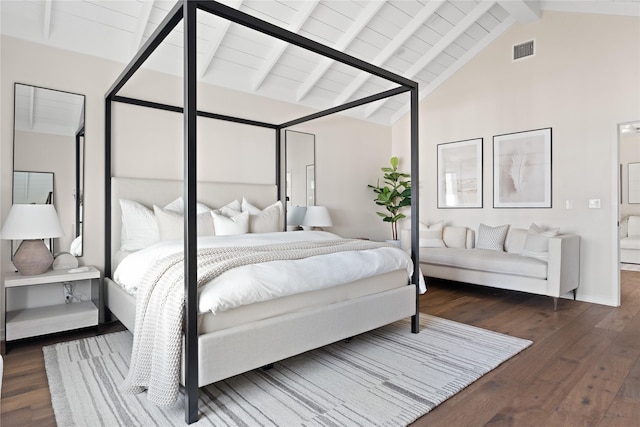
[
  {"x": 522, "y": 169},
  {"x": 633, "y": 175},
  {"x": 460, "y": 174}
]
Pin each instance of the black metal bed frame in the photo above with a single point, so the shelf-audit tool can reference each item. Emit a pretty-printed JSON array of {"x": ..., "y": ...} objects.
[{"x": 185, "y": 10}]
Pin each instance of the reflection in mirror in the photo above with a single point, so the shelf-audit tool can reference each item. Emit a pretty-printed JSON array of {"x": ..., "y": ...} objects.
[
  {"x": 32, "y": 188},
  {"x": 49, "y": 139},
  {"x": 300, "y": 175},
  {"x": 300, "y": 166}
]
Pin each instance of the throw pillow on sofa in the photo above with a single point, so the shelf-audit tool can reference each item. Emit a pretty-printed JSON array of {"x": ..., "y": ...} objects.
[
  {"x": 431, "y": 235},
  {"x": 537, "y": 243},
  {"x": 492, "y": 237},
  {"x": 455, "y": 237}
]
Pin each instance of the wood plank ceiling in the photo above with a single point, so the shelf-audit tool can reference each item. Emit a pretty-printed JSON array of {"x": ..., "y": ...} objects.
[{"x": 426, "y": 40}]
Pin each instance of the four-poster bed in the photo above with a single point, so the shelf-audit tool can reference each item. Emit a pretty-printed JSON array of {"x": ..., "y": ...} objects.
[{"x": 211, "y": 356}]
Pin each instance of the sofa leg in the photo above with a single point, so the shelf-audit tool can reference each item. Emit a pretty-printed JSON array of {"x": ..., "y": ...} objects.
[
  {"x": 575, "y": 292},
  {"x": 555, "y": 304}
]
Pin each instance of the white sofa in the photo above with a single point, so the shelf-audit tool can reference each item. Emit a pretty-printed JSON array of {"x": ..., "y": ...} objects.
[
  {"x": 459, "y": 260},
  {"x": 630, "y": 239}
]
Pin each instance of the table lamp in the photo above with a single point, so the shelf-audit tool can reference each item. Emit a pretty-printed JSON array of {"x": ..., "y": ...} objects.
[
  {"x": 317, "y": 217},
  {"x": 295, "y": 216},
  {"x": 32, "y": 223}
]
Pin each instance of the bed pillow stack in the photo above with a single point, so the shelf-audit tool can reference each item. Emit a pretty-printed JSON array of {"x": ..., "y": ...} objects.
[{"x": 142, "y": 226}]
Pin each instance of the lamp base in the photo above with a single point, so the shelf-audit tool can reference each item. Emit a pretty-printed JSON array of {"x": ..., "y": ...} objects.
[{"x": 32, "y": 257}]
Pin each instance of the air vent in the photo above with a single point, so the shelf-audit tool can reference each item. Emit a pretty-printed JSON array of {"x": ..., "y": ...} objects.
[{"x": 523, "y": 50}]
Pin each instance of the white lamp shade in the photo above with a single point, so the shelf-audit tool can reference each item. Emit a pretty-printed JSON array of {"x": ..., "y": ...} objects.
[
  {"x": 295, "y": 215},
  {"x": 28, "y": 222},
  {"x": 317, "y": 216}
]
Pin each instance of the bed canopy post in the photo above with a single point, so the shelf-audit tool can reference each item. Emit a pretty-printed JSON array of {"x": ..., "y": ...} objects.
[
  {"x": 279, "y": 166},
  {"x": 190, "y": 226},
  {"x": 107, "y": 189},
  {"x": 415, "y": 214}
]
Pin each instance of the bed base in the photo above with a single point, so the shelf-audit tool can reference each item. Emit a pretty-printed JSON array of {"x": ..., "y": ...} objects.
[{"x": 228, "y": 352}]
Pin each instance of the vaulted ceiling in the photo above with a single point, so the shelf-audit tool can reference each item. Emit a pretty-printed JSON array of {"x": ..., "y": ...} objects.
[{"x": 425, "y": 40}]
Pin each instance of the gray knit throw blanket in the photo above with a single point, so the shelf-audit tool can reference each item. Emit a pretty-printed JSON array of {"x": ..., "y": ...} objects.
[{"x": 157, "y": 343}]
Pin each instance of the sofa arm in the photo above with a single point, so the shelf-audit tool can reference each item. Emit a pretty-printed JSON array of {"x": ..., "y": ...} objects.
[{"x": 563, "y": 274}]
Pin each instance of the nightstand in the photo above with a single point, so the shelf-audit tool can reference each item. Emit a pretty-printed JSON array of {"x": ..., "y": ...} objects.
[{"x": 31, "y": 322}]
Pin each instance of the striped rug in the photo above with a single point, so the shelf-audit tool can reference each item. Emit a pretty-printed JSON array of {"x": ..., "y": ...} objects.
[{"x": 388, "y": 377}]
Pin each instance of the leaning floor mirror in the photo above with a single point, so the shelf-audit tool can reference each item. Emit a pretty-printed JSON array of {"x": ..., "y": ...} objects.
[
  {"x": 48, "y": 157},
  {"x": 300, "y": 174}
]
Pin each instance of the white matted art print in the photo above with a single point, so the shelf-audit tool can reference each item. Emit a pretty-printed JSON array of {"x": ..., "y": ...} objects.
[
  {"x": 460, "y": 174},
  {"x": 522, "y": 169}
]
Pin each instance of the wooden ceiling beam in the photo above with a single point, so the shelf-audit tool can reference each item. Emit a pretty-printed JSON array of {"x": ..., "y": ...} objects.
[
  {"x": 360, "y": 23},
  {"x": 143, "y": 20},
  {"x": 217, "y": 39},
  {"x": 46, "y": 27},
  {"x": 440, "y": 46},
  {"x": 386, "y": 53},
  {"x": 276, "y": 53}
]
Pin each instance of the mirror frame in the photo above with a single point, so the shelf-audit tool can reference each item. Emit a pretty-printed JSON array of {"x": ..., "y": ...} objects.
[{"x": 77, "y": 162}]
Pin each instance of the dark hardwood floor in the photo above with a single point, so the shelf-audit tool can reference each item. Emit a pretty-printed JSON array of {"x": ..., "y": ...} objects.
[{"x": 582, "y": 370}]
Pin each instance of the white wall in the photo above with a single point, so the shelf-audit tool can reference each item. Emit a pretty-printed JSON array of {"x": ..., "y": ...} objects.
[
  {"x": 148, "y": 143},
  {"x": 582, "y": 82}
]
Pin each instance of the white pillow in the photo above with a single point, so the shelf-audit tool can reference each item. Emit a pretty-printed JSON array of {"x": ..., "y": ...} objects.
[
  {"x": 266, "y": 225},
  {"x": 430, "y": 236},
  {"x": 139, "y": 226},
  {"x": 229, "y": 210},
  {"x": 171, "y": 224},
  {"x": 178, "y": 206},
  {"x": 455, "y": 237},
  {"x": 492, "y": 237},
  {"x": 267, "y": 220},
  {"x": 537, "y": 243},
  {"x": 225, "y": 226}
]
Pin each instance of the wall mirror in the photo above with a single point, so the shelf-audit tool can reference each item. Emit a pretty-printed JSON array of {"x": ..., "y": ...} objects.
[
  {"x": 300, "y": 174},
  {"x": 300, "y": 166},
  {"x": 48, "y": 142}
]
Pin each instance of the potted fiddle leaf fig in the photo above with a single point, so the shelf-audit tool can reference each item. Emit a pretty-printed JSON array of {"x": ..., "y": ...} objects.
[{"x": 393, "y": 195}]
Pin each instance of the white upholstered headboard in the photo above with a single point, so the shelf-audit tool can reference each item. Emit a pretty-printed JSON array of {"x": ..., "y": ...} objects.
[{"x": 163, "y": 191}]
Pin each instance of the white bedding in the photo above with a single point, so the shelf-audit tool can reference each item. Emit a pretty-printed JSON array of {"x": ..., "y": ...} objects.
[{"x": 263, "y": 282}]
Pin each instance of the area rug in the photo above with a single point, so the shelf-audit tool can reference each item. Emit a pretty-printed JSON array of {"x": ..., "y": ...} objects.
[{"x": 388, "y": 377}]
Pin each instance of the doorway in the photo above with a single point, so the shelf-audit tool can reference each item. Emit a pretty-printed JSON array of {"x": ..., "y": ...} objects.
[{"x": 629, "y": 195}]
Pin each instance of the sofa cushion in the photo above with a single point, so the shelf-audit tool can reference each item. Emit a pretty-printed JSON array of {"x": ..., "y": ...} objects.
[
  {"x": 537, "y": 243},
  {"x": 492, "y": 237},
  {"x": 633, "y": 227},
  {"x": 515, "y": 240},
  {"x": 455, "y": 237},
  {"x": 630, "y": 243},
  {"x": 431, "y": 235},
  {"x": 484, "y": 260}
]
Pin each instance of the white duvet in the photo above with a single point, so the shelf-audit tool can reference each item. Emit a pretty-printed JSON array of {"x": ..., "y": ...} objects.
[{"x": 262, "y": 282}]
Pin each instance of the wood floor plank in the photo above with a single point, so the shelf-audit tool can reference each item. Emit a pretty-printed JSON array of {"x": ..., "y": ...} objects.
[{"x": 581, "y": 353}]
